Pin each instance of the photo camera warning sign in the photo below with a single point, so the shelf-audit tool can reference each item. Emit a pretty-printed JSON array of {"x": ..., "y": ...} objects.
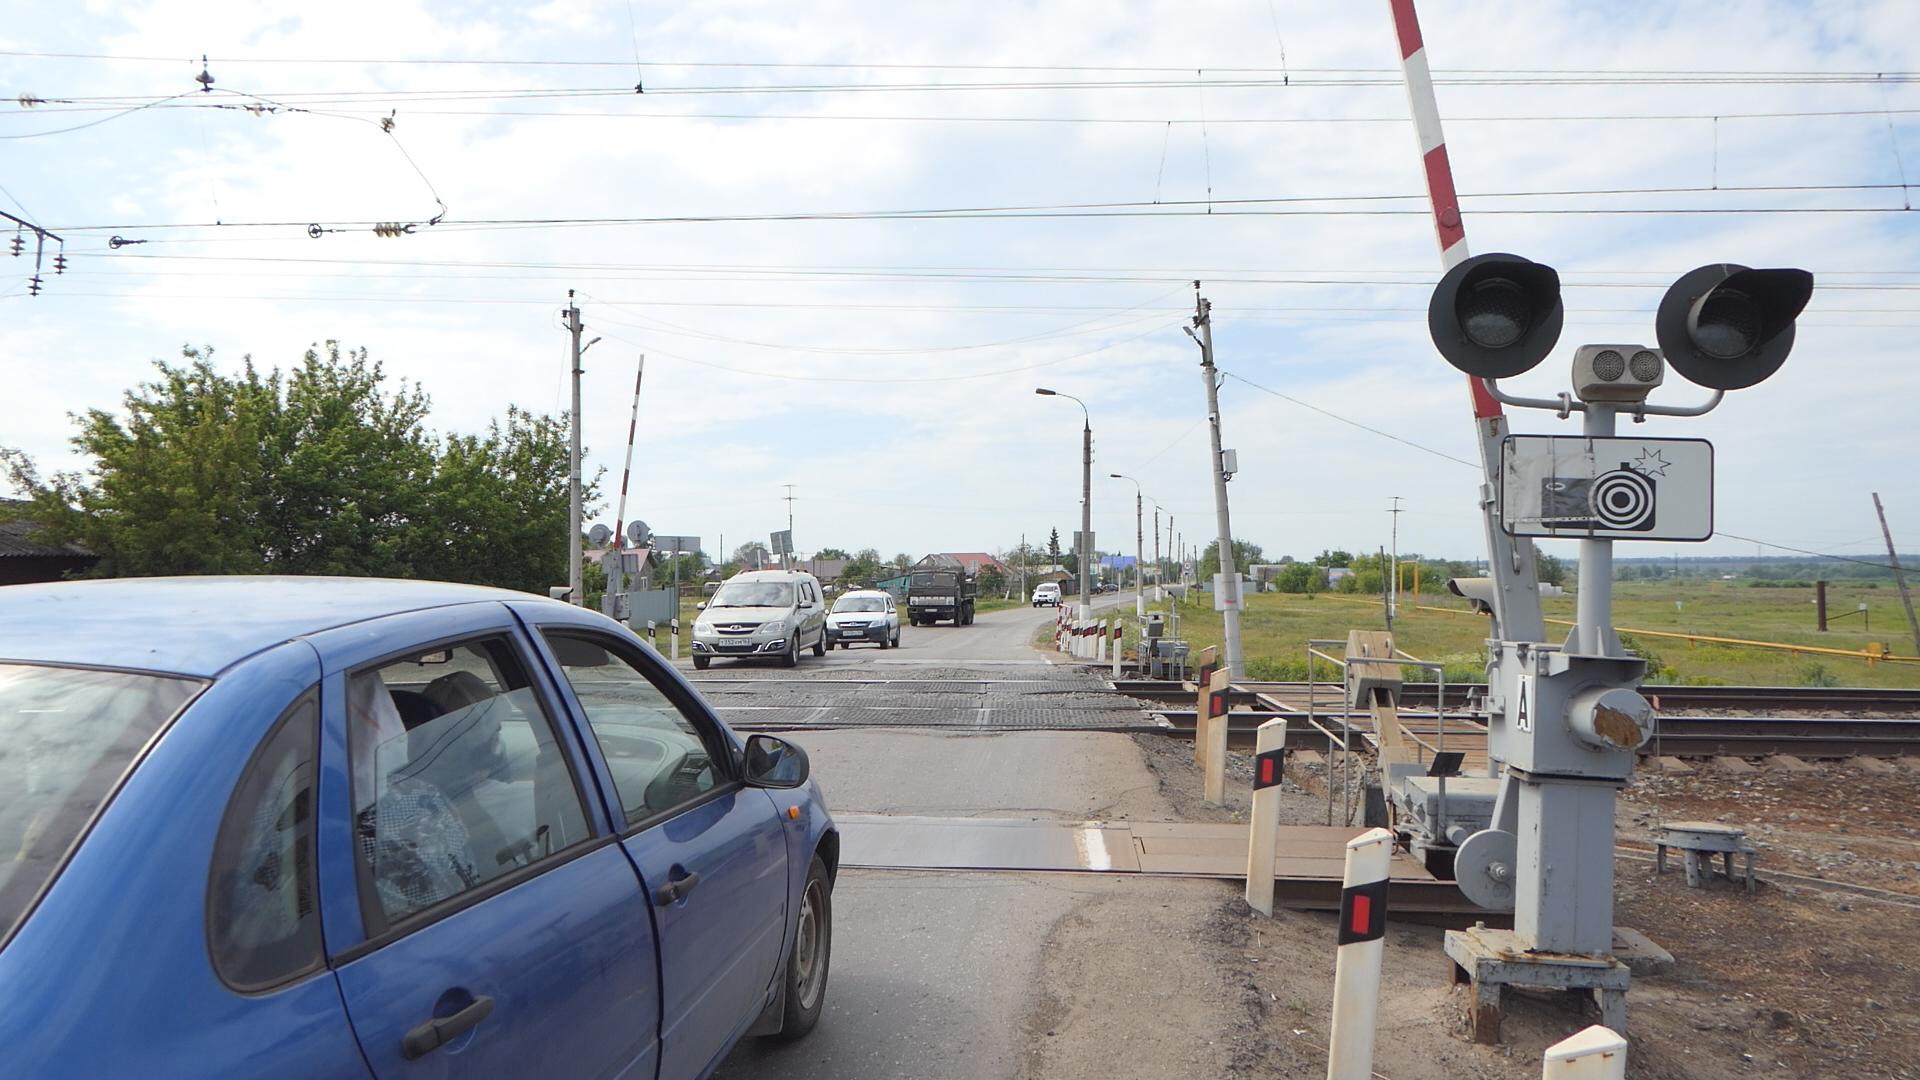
[{"x": 1606, "y": 488}]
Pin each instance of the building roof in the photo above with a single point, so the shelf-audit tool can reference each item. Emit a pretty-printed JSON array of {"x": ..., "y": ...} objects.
[
  {"x": 16, "y": 535},
  {"x": 974, "y": 560}
]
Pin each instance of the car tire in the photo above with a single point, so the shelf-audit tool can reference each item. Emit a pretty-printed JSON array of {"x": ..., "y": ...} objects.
[
  {"x": 820, "y": 646},
  {"x": 810, "y": 955},
  {"x": 791, "y": 658},
  {"x": 896, "y": 638},
  {"x": 700, "y": 662}
]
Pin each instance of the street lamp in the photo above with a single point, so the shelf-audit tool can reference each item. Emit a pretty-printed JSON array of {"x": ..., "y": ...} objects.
[
  {"x": 1139, "y": 546},
  {"x": 1085, "y": 543}
]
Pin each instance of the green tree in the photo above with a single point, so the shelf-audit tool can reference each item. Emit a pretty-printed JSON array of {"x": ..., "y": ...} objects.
[
  {"x": 1053, "y": 545},
  {"x": 1245, "y": 554},
  {"x": 320, "y": 471},
  {"x": 1333, "y": 558},
  {"x": 1302, "y": 578},
  {"x": 990, "y": 579},
  {"x": 864, "y": 570},
  {"x": 1551, "y": 569},
  {"x": 831, "y": 553}
]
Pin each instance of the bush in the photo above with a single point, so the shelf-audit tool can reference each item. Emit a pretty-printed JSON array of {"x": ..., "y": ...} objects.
[
  {"x": 1639, "y": 648},
  {"x": 1268, "y": 669},
  {"x": 1816, "y": 674}
]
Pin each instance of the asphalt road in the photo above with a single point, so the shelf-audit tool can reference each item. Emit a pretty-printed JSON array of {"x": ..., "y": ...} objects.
[{"x": 938, "y": 974}]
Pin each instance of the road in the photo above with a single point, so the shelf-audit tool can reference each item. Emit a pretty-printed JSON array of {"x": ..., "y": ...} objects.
[{"x": 940, "y": 974}]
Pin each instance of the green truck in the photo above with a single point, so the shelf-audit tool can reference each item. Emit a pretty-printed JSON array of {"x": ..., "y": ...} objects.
[{"x": 939, "y": 589}]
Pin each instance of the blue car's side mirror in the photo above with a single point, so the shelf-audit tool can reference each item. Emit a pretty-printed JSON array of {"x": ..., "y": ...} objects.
[{"x": 775, "y": 763}]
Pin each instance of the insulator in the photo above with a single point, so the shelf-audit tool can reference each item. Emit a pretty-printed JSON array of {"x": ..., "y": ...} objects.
[{"x": 60, "y": 262}]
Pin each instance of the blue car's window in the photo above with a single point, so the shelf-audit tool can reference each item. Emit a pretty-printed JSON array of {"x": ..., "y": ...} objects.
[
  {"x": 263, "y": 923},
  {"x": 655, "y": 752},
  {"x": 67, "y": 736},
  {"x": 457, "y": 777}
]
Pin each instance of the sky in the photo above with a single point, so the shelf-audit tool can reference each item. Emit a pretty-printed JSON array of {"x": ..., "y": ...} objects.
[{"x": 851, "y": 237}]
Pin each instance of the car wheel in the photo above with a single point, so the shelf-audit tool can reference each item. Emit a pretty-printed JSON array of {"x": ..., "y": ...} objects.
[
  {"x": 812, "y": 950},
  {"x": 896, "y": 637},
  {"x": 700, "y": 662},
  {"x": 791, "y": 658},
  {"x": 820, "y": 646}
]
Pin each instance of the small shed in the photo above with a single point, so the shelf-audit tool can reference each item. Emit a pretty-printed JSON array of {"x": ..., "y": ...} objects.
[{"x": 24, "y": 560}]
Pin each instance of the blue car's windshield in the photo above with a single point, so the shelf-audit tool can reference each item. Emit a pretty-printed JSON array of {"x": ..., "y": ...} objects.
[
  {"x": 754, "y": 594},
  {"x": 67, "y": 736}
]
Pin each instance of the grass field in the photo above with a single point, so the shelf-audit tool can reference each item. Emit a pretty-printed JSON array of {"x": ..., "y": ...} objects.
[{"x": 1275, "y": 628}]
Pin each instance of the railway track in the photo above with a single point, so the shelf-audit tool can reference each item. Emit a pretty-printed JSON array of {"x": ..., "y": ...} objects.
[
  {"x": 1681, "y": 733},
  {"x": 1793, "y": 699}
]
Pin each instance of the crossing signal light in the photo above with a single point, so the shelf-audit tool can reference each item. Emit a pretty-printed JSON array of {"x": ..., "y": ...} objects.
[
  {"x": 1727, "y": 327},
  {"x": 1496, "y": 316}
]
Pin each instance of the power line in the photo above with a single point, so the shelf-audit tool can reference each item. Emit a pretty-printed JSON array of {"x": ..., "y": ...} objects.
[
  {"x": 1353, "y": 423},
  {"x": 1803, "y": 551}
]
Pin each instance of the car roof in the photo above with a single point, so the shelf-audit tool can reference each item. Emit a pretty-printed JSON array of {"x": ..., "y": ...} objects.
[
  {"x": 769, "y": 575},
  {"x": 201, "y": 625}
]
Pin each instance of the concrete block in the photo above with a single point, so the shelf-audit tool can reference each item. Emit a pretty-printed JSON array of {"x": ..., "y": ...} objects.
[
  {"x": 1672, "y": 765},
  {"x": 1873, "y": 766},
  {"x": 1733, "y": 765},
  {"x": 1639, "y": 953},
  {"x": 1910, "y": 762},
  {"x": 1307, "y": 757},
  {"x": 1789, "y": 763}
]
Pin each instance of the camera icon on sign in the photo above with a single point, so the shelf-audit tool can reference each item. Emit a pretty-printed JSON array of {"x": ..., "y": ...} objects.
[{"x": 1619, "y": 500}]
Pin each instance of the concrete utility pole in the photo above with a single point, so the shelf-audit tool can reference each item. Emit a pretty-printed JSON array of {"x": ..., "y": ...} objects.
[
  {"x": 1899, "y": 576},
  {"x": 576, "y": 585},
  {"x": 1086, "y": 499},
  {"x": 1228, "y": 599},
  {"x": 1139, "y": 547}
]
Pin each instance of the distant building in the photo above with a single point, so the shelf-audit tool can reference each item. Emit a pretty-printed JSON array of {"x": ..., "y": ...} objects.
[
  {"x": 24, "y": 560},
  {"x": 975, "y": 561}
]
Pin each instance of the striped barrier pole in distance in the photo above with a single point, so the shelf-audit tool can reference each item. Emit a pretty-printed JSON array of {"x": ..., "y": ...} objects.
[
  {"x": 1356, "y": 973},
  {"x": 1598, "y": 1053},
  {"x": 1119, "y": 636},
  {"x": 1269, "y": 760}
]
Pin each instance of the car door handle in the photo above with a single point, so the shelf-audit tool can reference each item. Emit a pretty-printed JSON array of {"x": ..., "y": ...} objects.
[
  {"x": 675, "y": 890},
  {"x": 442, "y": 1030}
]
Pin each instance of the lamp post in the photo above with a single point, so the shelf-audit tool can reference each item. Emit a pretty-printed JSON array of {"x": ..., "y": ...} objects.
[
  {"x": 1139, "y": 546},
  {"x": 1085, "y": 545}
]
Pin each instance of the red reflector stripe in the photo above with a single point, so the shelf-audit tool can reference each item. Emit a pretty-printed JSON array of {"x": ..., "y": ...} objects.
[
  {"x": 1362, "y": 914},
  {"x": 1266, "y": 771}
]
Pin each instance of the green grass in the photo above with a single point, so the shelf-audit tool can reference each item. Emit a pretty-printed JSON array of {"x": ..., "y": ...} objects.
[{"x": 1275, "y": 628}]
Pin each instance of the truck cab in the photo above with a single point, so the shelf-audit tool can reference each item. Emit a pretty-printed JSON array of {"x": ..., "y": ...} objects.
[{"x": 939, "y": 589}]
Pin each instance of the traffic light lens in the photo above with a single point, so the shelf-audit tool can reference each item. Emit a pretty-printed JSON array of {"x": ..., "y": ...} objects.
[
  {"x": 1728, "y": 324},
  {"x": 1645, "y": 365},
  {"x": 1609, "y": 365},
  {"x": 1495, "y": 314}
]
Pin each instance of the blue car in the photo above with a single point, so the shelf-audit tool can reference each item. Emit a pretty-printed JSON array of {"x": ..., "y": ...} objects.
[{"x": 328, "y": 827}]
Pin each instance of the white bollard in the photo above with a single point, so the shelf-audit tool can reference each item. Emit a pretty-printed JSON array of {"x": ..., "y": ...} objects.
[
  {"x": 1119, "y": 636},
  {"x": 1598, "y": 1053},
  {"x": 1269, "y": 757},
  {"x": 1356, "y": 973},
  {"x": 676, "y": 640}
]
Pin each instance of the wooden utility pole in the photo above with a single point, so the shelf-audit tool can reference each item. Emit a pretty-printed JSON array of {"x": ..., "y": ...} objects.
[{"x": 1899, "y": 578}]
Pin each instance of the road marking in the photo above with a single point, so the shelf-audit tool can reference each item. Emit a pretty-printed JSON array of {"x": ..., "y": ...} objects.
[{"x": 1092, "y": 842}]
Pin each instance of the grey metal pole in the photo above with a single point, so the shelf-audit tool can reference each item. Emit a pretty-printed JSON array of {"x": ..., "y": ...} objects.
[
  {"x": 1593, "y": 608},
  {"x": 1229, "y": 574},
  {"x": 576, "y": 584}
]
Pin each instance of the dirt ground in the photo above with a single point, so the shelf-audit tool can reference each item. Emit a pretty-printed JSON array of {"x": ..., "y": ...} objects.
[{"x": 1809, "y": 978}]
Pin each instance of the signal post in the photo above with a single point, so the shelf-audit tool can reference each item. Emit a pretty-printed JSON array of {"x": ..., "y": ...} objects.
[{"x": 1565, "y": 720}]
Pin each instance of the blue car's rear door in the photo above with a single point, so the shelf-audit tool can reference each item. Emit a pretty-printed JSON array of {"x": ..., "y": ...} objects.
[
  {"x": 501, "y": 931},
  {"x": 711, "y": 851}
]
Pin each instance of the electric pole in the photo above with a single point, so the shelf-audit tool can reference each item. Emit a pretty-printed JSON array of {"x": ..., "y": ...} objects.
[
  {"x": 1899, "y": 577},
  {"x": 1393, "y": 592},
  {"x": 1228, "y": 591},
  {"x": 576, "y": 585}
]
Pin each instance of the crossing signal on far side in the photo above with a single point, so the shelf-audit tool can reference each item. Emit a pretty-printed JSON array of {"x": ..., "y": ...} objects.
[{"x": 1726, "y": 327}]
